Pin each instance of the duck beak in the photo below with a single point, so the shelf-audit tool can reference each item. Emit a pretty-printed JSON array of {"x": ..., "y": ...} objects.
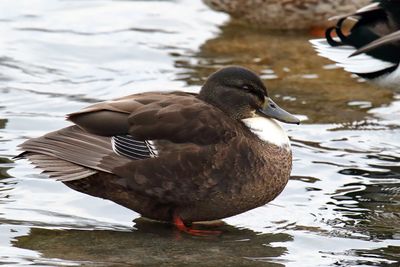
[{"x": 272, "y": 110}]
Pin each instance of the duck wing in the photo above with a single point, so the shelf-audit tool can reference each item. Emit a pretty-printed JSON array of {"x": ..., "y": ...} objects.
[
  {"x": 160, "y": 144},
  {"x": 362, "y": 11},
  {"x": 388, "y": 39},
  {"x": 176, "y": 116}
]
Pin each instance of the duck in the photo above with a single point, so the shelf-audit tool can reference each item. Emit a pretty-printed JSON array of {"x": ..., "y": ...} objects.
[
  {"x": 371, "y": 49},
  {"x": 285, "y": 15},
  {"x": 175, "y": 156}
]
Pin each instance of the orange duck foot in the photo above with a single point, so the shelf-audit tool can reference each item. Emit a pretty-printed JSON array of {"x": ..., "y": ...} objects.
[{"x": 180, "y": 225}]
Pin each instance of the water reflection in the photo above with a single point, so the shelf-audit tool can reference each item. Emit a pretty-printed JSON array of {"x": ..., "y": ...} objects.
[
  {"x": 5, "y": 165},
  {"x": 159, "y": 245},
  {"x": 6, "y": 184},
  {"x": 372, "y": 205},
  {"x": 3, "y": 123},
  {"x": 387, "y": 256}
]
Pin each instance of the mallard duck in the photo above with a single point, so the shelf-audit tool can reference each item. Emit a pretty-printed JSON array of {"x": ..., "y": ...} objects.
[
  {"x": 175, "y": 156},
  {"x": 372, "y": 48},
  {"x": 288, "y": 14}
]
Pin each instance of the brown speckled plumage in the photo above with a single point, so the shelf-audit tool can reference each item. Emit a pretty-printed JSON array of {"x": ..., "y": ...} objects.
[
  {"x": 286, "y": 14},
  {"x": 207, "y": 164},
  {"x": 209, "y": 184}
]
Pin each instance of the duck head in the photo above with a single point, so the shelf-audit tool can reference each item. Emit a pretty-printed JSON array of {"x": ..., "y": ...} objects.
[{"x": 241, "y": 94}]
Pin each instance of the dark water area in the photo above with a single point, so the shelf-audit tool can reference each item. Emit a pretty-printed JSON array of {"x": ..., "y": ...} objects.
[{"x": 340, "y": 208}]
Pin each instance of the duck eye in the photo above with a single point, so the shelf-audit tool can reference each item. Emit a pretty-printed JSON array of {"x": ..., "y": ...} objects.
[
  {"x": 246, "y": 87},
  {"x": 253, "y": 91}
]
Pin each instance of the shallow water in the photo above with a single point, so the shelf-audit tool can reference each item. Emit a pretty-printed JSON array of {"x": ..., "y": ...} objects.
[{"x": 341, "y": 206}]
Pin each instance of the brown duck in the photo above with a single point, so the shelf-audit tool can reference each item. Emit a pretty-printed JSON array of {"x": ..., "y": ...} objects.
[{"x": 175, "y": 156}]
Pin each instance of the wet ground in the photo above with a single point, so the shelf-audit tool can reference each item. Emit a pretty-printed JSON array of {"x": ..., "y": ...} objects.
[{"x": 341, "y": 207}]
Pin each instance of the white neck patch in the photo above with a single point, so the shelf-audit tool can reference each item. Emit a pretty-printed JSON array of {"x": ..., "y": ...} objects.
[{"x": 268, "y": 130}]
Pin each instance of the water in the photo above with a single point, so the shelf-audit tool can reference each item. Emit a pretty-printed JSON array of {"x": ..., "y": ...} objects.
[{"x": 341, "y": 206}]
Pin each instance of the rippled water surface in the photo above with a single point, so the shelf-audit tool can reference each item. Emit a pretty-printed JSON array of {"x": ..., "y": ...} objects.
[{"x": 341, "y": 207}]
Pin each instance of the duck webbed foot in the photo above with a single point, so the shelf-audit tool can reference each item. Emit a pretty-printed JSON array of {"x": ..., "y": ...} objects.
[{"x": 180, "y": 225}]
